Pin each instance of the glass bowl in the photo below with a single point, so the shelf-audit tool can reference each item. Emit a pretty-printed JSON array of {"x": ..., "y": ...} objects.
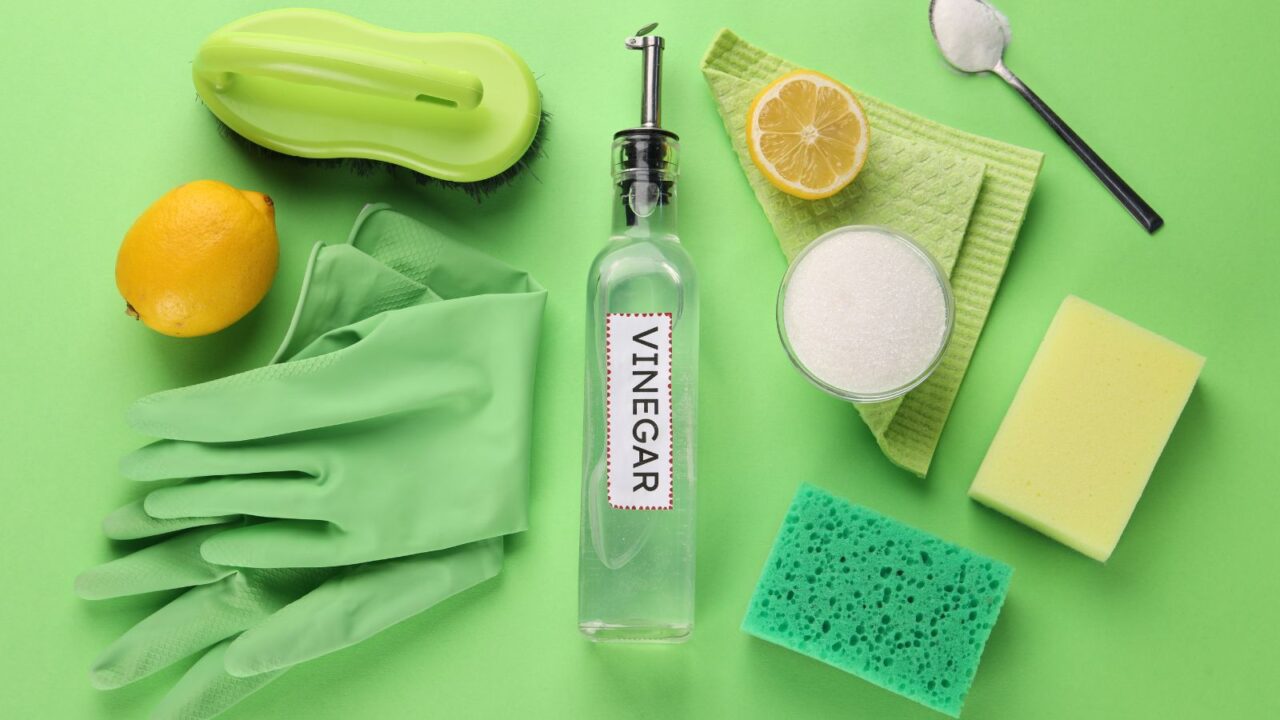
[{"x": 868, "y": 395}]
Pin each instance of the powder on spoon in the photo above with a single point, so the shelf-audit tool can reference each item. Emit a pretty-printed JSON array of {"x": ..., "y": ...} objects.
[
  {"x": 864, "y": 311},
  {"x": 971, "y": 33}
]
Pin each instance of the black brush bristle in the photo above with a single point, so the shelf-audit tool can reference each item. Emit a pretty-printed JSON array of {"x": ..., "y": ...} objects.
[{"x": 364, "y": 167}]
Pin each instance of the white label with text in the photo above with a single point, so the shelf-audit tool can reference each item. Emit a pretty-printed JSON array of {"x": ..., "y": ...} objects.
[{"x": 638, "y": 409}]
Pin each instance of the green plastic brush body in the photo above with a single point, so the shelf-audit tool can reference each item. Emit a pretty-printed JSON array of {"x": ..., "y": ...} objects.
[{"x": 457, "y": 107}]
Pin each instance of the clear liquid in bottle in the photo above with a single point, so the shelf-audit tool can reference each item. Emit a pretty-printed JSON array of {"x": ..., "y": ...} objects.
[{"x": 636, "y": 558}]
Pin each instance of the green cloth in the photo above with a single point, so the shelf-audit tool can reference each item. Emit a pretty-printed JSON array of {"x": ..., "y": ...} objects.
[
  {"x": 961, "y": 196},
  {"x": 366, "y": 474}
]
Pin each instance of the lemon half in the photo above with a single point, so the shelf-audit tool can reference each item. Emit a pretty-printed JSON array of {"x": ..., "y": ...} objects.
[{"x": 808, "y": 134}]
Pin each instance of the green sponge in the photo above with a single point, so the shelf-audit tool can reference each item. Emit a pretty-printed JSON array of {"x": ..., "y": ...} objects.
[{"x": 901, "y": 608}]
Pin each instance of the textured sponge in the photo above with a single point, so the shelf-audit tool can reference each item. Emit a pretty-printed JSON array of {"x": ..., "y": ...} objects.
[{"x": 901, "y": 608}]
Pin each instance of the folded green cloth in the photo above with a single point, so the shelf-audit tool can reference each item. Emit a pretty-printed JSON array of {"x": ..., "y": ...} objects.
[{"x": 961, "y": 196}]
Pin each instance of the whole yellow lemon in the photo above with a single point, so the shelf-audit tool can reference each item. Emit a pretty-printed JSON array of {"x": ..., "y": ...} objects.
[{"x": 199, "y": 259}]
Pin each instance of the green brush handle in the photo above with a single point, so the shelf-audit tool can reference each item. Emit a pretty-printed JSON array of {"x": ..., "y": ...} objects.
[{"x": 336, "y": 66}]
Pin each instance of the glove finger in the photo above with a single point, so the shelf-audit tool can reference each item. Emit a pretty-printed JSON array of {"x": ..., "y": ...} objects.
[
  {"x": 360, "y": 603},
  {"x": 281, "y": 544},
  {"x": 131, "y": 522},
  {"x": 206, "y": 690},
  {"x": 168, "y": 565},
  {"x": 262, "y": 497},
  {"x": 179, "y": 460},
  {"x": 197, "y": 619}
]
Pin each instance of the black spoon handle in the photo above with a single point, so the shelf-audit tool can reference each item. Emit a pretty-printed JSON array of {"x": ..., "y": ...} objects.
[{"x": 1137, "y": 207}]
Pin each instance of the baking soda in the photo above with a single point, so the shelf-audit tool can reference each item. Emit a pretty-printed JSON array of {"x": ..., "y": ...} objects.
[
  {"x": 865, "y": 312},
  {"x": 971, "y": 33}
]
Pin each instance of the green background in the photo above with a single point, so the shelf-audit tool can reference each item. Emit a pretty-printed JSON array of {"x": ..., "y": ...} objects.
[{"x": 100, "y": 118}]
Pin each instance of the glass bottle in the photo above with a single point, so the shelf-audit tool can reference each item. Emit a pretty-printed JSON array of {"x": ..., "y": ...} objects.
[{"x": 636, "y": 556}]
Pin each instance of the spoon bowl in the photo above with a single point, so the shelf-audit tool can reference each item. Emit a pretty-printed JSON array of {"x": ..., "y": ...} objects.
[{"x": 971, "y": 34}]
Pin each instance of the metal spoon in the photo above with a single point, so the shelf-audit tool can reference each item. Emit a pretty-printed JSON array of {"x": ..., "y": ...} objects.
[{"x": 972, "y": 36}]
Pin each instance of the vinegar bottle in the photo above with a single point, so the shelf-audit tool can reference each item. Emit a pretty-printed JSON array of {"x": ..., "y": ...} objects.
[{"x": 636, "y": 555}]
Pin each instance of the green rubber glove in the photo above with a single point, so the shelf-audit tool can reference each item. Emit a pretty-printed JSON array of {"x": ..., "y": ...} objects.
[
  {"x": 397, "y": 433},
  {"x": 252, "y": 625}
]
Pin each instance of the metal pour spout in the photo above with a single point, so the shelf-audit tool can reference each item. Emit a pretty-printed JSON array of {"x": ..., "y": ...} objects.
[{"x": 651, "y": 100}]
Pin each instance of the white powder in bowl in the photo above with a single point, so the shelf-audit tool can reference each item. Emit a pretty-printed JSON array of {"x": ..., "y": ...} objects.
[
  {"x": 864, "y": 312},
  {"x": 970, "y": 33}
]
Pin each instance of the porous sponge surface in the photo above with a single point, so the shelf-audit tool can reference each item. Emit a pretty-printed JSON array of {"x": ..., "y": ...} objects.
[{"x": 894, "y": 605}]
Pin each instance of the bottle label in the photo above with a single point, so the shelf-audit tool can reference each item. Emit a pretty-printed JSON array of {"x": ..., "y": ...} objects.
[{"x": 639, "y": 445}]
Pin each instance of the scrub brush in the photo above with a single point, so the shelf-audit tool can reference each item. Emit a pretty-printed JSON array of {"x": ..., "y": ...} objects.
[{"x": 456, "y": 109}]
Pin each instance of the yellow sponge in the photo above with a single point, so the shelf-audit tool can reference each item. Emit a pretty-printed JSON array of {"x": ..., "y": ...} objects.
[{"x": 1085, "y": 430}]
